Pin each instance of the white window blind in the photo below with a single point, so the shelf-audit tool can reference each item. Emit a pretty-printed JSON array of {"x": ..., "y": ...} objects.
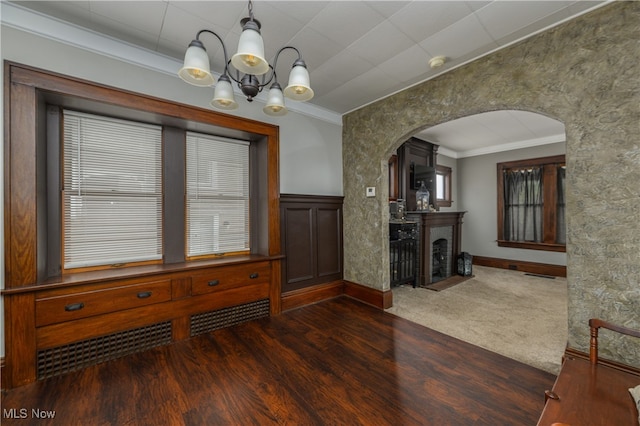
[
  {"x": 112, "y": 191},
  {"x": 217, "y": 195}
]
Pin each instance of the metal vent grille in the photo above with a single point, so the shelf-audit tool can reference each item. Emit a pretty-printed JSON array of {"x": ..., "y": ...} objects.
[
  {"x": 213, "y": 320},
  {"x": 78, "y": 355}
]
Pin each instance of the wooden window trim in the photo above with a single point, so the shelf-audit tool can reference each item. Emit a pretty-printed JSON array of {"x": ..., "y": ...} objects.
[
  {"x": 446, "y": 172},
  {"x": 28, "y": 90},
  {"x": 549, "y": 203},
  {"x": 394, "y": 186}
]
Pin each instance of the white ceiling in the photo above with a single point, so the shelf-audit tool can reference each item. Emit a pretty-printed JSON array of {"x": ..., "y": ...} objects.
[
  {"x": 493, "y": 132},
  {"x": 357, "y": 51}
]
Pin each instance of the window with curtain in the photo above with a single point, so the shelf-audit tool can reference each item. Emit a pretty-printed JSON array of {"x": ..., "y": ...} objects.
[
  {"x": 112, "y": 194},
  {"x": 560, "y": 216},
  {"x": 531, "y": 206},
  {"x": 217, "y": 209},
  {"x": 523, "y": 204}
]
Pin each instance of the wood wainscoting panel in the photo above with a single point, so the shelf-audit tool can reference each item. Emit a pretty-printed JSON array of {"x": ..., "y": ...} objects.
[
  {"x": 522, "y": 266},
  {"x": 311, "y": 227},
  {"x": 313, "y": 294},
  {"x": 317, "y": 293},
  {"x": 371, "y": 296},
  {"x": 20, "y": 340}
]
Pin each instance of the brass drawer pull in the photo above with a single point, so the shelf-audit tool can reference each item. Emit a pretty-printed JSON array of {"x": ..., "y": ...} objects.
[
  {"x": 144, "y": 294},
  {"x": 213, "y": 283},
  {"x": 74, "y": 307},
  {"x": 254, "y": 275}
]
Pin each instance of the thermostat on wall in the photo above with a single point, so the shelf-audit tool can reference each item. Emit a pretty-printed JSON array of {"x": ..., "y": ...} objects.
[{"x": 371, "y": 191}]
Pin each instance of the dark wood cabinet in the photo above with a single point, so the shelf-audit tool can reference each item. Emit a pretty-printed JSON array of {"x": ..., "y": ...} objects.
[
  {"x": 415, "y": 158},
  {"x": 91, "y": 317},
  {"x": 311, "y": 235},
  {"x": 403, "y": 253}
]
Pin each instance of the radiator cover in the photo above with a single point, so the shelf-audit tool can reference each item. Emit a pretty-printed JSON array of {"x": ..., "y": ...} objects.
[{"x": 75, "y": 356}]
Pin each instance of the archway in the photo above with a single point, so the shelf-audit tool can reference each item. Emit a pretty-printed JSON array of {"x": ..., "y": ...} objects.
[
  {"x": 507, "y": 312},
  {"x": 557, "y": 74}
]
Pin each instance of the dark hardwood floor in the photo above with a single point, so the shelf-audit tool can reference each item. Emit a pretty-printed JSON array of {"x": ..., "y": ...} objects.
[{"x": 338, "y": 362}]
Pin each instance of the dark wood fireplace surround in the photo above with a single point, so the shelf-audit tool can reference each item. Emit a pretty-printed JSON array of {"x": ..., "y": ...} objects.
[{"x": 428, "y": 222}]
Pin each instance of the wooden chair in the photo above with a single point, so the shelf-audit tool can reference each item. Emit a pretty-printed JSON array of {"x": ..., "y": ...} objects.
[
  {"x": 595, "y": 324},
  {"x": 593, "y": 391}
]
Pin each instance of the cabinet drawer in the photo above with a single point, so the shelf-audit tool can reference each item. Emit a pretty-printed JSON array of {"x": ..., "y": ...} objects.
[
  {"x": 73, "y": 306},
  {"x": 231, "y": 276}
]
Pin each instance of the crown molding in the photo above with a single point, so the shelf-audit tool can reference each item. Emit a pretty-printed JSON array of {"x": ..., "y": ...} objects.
[
  {"x": 20, "y": 18},
  {"x": 528, "y": 143}
]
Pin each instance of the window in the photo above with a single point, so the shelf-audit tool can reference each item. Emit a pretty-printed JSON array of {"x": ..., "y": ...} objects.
[
  {"x": 531, "y": 204},
  {"x": 112, "y": 194},
  {"x": 36, "y": 185},
  {"x": 443, "y": 186},
  {"x": 217, "y": 195}
]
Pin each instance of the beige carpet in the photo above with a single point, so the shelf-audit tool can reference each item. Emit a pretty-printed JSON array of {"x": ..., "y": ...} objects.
[{"x": 516, "y": 315}]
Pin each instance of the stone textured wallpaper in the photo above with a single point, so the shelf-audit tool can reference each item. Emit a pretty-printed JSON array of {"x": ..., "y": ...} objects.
[{"x": 585, "y": 73}]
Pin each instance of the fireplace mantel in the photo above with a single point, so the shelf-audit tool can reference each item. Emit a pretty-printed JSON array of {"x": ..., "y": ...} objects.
[{"x": 429, "y": 223}]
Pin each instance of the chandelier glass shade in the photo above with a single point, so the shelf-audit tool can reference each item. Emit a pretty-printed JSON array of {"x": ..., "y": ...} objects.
[
  {"x": 275, "y": 101},
  {"x": 249, "y": 69},
  {"x": 223, "y": 94}
]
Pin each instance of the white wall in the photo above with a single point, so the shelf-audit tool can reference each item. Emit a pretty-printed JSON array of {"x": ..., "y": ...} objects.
[
  {"x": 477, "y": 189},
  {"x": 310, "y": 147}
]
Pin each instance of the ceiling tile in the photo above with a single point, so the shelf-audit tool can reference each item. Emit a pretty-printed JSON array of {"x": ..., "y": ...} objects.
[
  {"x": 345, "y": 21},
  {"x": 534, "y": 27},
  {"x": 146, "y": 16},
  {"x": 123, "y": 31},
  {"x": 316, "y": 49},
  {"x": 355, "y": 92},
  {"x": 180, "y": 27},
  {"x": 476, "y": 5},
  {"x": 501, "y": 18},
  {"x": 387, "y": 8},
  {"x": 340, "y": 68},
  {"x": 382, "y": 42},
  {"x": 408, "y": 64},
  {"x": 358, "y": 87},
  {"x": 303, "y": 11},
  {"x": 216, "y": 14},
  {"x": 580, "y": 6},
  {"x": 422, "y": 19},
  {"x": 277, "y": 29},
  {"x": 458, "y": 39}
]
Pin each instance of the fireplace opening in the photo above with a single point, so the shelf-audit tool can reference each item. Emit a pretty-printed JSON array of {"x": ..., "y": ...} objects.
[{"x": 440, "y": 260}]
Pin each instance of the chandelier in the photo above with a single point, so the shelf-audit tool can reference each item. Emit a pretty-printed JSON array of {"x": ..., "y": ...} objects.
[{"x": 248, "y": 69}]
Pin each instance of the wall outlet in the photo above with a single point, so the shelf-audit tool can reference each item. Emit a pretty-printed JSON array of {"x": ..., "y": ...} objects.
[{"x": 371, "y": 191}]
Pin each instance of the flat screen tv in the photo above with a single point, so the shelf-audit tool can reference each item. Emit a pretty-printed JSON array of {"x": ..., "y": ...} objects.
[{"x": 424, "y": 174}]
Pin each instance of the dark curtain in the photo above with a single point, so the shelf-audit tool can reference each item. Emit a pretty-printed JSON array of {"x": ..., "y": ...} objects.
[
  {"x": 523, "y": 205},
  {"x": 561, "y": 235}
]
